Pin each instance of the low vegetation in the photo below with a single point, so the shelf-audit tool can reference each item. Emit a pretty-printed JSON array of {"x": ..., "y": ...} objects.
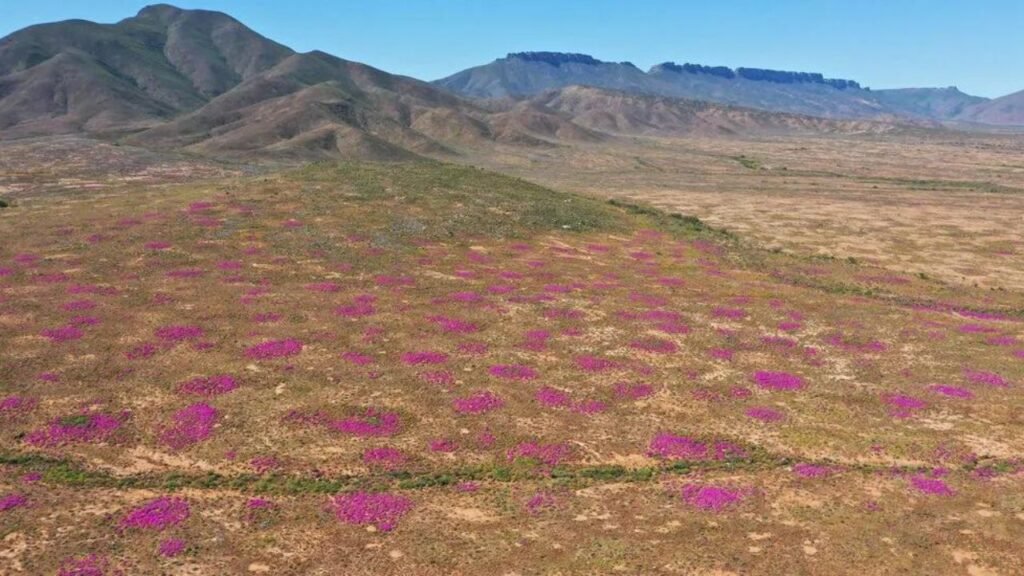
[{"x": 348, "y": 359}]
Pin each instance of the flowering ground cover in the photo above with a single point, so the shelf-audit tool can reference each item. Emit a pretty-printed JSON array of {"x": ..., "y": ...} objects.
[{"x": 427, "y": 369}]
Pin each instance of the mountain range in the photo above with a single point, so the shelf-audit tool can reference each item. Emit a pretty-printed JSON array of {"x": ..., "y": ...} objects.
[
  {"x": 526, "y": 74},
  {"x": 202, "y": 81}
]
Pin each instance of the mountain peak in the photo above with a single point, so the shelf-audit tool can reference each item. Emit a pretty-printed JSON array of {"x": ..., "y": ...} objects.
[{"x": 159, "y": 11}]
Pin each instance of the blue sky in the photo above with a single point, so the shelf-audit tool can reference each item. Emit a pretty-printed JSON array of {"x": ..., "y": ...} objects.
[{"x": 977, "y": 45}]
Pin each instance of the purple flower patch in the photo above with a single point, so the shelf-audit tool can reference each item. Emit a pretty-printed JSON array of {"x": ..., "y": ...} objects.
[
  {"x": 673, "y": 447},
  {"x": 986, "y": 378},
  {"x": 927, "y": 485},
  {"x": 627, "y": 391},
  {"x": 178, "y": 333},
  {"x": 594, "y": 364},
  {"x": 385, "y": 458},
  {"x": 546, "y": 454},
  {"x": 171, "y": 547},
  {"x": 428, "y": 357},
  {"x": 274, "y": 349},
  {"x": 454, "y": 325},
  {"x": 903, "y": 406},
  {"x": 711, "y": 498},
  {"x": 91, "y": 565},
  {"x": 372, "y": 422},
  {"x": 952, "y": 391},
  {"x": 778, "y": 381},
  {"x": 381, "y": 510},
  {"x": 90, "y": 428},
  {"x": 764, "y": 414},
  {"x": 513, "y": 372},
  {"x": 478, "y": 403},
  {"x": 209, "y": 385},
  {"x": 158, "y": 514},
  {"x": 63, "y": 334},
  {"x": 189, "y": 426},
  {"x": 552, "y": 398},
  {"x": 12, "y": 501}
]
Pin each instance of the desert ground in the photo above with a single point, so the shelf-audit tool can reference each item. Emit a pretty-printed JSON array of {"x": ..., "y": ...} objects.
[
  {"x": 949, "y": 206},
  {"x": 655, "y": 356}
]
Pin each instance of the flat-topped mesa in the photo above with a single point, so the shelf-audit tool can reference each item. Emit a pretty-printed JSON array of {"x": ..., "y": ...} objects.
[
  {"x": 755, "y": 74},
  {"x": 554, "y": 58},
  {"x": 784, "y": 77},
  {"x": 720, "y": 71}
]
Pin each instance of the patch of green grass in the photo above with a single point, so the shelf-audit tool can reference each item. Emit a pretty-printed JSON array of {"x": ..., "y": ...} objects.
[
  {"x": 400, "y": 204},
  {"x": 748, "y": 163}
]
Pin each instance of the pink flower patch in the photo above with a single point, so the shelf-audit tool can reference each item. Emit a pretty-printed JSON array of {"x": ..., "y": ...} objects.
[
  {"x": 540, "y": 502},
  {"x": 372, "y": 422},
  {"x": 478, "y": 403},
  {"x": 594, "y": 364},
  {"x": 765, "y": 414},
  {"x": 712, "y": 498},
  {"x": 357, "y": 358},
  {"x": 547, "y": 454},
  {"x": 453, "y": 325},
  {"x": 986, "y": 378},
  {"x": 158, "y": 514},
  {"x": 178, "y": 333},
  {"x": 89, "y": 428},
  {"x": 141, "y": 351},
  {"x": 552, "y": 398},
  {"x": 171, "y": 547},
  {"x": 385, "y": 458},
  {"x": 63, "y": 334},
  {"x": 952, "y": 391},
  {"x": 633, "y": 391},
  {"x": 79, "y": 306},
  {"x": 426, "y": 357},
  {"x": 381, "y": 510},
  {"x": 673, "y": 447},
  {"x": 903, "y": 406},
  {"x": 12, "y": 501},
  {"x": 927, "y": 485},
  {"x": 805, "y": 470},
  {"x": 189, "y": 426},
  {"x": 274, "y": 349},
  {"x": 513, "y": 372},
  {"x": 778, "y": 381},
  {"x": 209, "y": 385}
]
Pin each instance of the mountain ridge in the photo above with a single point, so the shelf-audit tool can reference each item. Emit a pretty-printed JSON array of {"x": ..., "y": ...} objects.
[
  {"x": 203, "y": 82},
  {"x": 526, "y": 74}
]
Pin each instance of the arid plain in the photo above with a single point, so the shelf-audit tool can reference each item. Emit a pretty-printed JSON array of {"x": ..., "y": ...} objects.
[{"x": 219, "y": 367}]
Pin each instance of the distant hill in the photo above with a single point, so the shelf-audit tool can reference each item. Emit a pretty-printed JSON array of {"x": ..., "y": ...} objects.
[
  {"x": 1004, "y": 111},
  {"x": 527, "y": 74},
  {"x": 618, "y": 112}
]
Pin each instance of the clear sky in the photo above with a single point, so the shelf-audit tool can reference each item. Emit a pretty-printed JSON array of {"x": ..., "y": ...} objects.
[{"x": 977, "y": 45}]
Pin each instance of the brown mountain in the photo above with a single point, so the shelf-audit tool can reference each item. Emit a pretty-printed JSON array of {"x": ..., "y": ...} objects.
[
  {"x": 203, "y": 82},
  {"x": 82, "y": 76}
]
